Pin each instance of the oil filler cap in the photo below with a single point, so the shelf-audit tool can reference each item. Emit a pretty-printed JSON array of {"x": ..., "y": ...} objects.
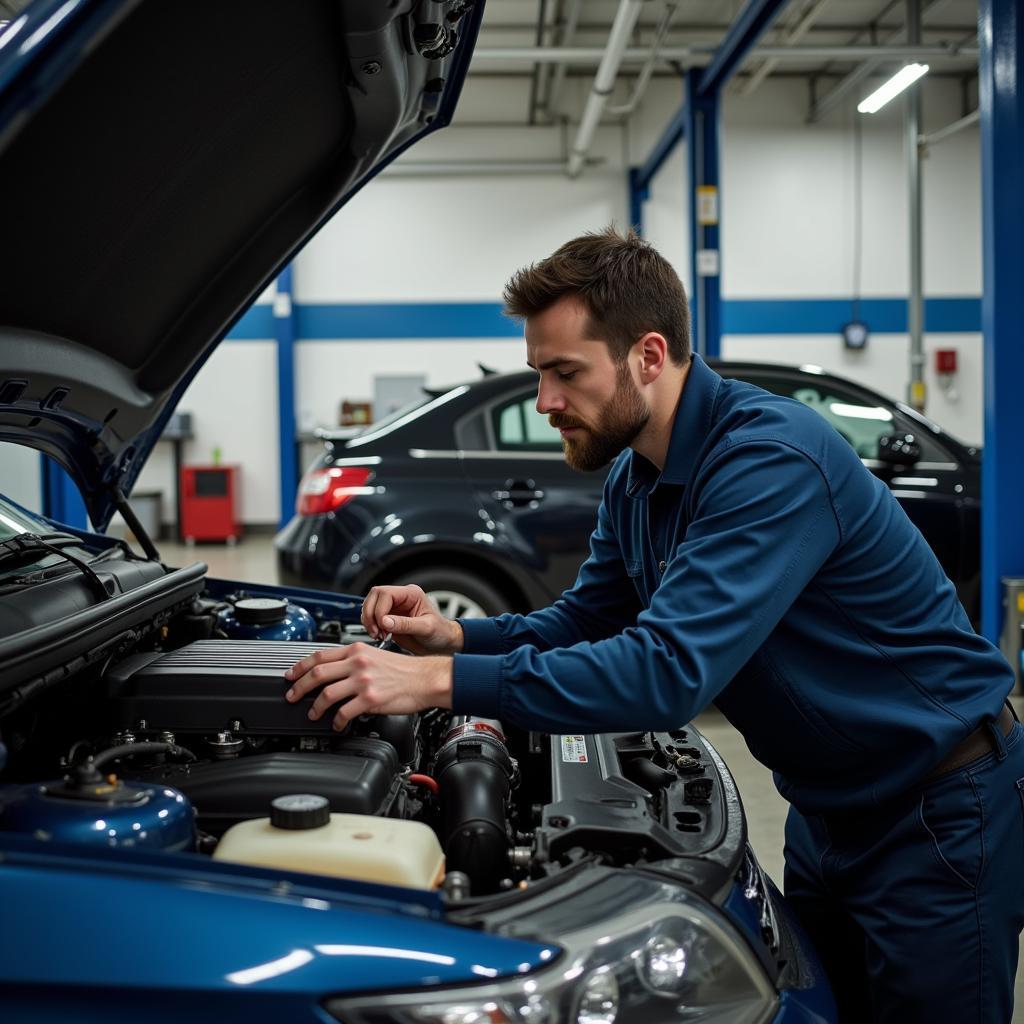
[{"x": 300, "y": 810}]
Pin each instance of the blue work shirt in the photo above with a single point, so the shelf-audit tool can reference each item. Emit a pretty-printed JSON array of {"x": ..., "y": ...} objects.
[{"x": 764, "y": 569}]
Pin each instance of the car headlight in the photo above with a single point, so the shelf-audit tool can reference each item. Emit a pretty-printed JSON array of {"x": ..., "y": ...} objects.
[{"x": 668, "y": 957}]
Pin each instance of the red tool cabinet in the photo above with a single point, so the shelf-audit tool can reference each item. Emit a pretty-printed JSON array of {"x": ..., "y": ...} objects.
[{"x": 209, "y": 503}]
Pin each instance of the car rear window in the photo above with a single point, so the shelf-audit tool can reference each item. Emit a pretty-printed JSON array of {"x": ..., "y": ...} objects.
[{"x": 519, "y": 427}]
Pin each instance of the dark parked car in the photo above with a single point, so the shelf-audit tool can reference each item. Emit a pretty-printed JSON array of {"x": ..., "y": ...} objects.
[
  {"x": 469, "y": 495},
  {"x": 177, "y": 842}
]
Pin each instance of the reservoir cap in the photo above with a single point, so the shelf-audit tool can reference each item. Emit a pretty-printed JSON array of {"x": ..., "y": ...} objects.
[
  {"x": 300, "y": 810},
  {"x": 260, "y": 611}
]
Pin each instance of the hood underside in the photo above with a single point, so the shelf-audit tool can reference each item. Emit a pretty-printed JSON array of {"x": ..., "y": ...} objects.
[{"x": 160, "y": 163}]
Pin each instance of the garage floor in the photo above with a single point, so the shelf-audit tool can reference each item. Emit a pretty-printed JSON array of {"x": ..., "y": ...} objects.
[{"x": 252, "y": 560}]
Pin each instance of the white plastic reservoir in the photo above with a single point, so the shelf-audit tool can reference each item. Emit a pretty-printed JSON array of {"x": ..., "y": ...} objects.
[{"x": 303, "y": 835}]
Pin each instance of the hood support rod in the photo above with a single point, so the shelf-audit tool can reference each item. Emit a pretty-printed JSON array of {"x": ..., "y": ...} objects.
[{"x": 129, "y": 516}]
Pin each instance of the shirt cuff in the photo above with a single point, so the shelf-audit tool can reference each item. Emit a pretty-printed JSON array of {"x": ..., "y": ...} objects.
[
  {"x": 476, "y": 685},
  {"x": 480, "y": 636}
]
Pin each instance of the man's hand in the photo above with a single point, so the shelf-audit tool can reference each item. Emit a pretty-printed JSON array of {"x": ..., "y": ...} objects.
[
  {"x": 372, "y": 681},
  {"x": 412, "y": 618}
]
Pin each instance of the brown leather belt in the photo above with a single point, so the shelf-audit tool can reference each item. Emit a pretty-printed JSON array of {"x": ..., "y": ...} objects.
[{"x": 976, "y": 744}]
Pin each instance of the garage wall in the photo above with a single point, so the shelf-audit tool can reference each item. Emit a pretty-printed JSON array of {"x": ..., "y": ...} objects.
[
  {"x": 21, "y": 475},
  {"x": 788, "y": 228},
  {"x": 233, "y": 401}
]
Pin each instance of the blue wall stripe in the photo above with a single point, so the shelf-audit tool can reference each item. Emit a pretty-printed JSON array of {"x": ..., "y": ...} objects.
[
  {"x": 257, "y": 323},
  {"x": 454, "y": 320},
  {"x": 406, "y": 320},
  {"x": 827, "y": 316}
]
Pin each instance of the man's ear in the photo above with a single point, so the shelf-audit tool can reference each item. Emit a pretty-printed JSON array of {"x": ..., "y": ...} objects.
[{"x": 652, "y": 354}]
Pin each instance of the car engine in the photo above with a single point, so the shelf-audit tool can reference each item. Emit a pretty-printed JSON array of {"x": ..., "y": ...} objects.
[{"x": 173, "y": 741}]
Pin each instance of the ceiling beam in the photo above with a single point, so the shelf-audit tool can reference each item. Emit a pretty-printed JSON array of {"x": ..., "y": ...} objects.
[
  {"x": 741, "y": 37},
  {"x": 813, "y": 10}
]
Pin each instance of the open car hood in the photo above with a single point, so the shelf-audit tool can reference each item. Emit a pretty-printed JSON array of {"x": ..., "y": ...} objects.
[{"x": 160, "y": 163}]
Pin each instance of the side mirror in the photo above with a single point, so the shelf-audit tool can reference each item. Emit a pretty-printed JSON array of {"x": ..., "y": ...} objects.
[{"x": 898, "y": 449}]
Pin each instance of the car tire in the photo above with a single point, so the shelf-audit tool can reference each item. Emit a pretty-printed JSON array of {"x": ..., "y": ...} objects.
[{"x": 459, "y": 594}]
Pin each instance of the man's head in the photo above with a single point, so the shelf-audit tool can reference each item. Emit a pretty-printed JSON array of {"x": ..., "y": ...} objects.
[{"x": 605, "y": 315}]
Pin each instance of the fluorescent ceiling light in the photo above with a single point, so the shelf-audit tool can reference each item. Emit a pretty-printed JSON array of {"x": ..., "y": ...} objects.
[{"x": 904, "y": 77}]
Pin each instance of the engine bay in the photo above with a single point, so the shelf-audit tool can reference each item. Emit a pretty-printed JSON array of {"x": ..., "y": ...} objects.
[{"x": 180, "y": 735}]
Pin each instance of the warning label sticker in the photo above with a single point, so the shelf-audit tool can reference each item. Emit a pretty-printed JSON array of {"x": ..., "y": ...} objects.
[{"x": 574, "y": 748}]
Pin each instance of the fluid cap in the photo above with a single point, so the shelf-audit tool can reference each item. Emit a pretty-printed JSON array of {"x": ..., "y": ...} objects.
[
  {"x": 261, "y": 611},
  {"x": 300, "y": 810}
]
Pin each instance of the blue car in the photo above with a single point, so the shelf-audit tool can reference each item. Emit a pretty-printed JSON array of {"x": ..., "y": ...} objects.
[{"x": 177, "y": 843}]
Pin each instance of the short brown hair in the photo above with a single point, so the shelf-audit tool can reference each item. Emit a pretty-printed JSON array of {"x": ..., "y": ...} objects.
[{"x": 627, "y": 287}]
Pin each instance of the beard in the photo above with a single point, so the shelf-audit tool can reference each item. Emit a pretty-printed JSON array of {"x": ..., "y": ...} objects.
[{"x": 617, "y": 425}]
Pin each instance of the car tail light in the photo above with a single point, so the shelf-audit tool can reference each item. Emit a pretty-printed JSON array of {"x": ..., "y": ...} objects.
[{"x": 327, "y": 489}]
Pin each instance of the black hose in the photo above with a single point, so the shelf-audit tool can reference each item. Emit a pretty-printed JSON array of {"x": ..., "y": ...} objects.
[{"x": 129, "y": 750}]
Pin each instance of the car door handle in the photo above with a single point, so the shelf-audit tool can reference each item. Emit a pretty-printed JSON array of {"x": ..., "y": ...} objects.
[{"x": 517, "y": 493}]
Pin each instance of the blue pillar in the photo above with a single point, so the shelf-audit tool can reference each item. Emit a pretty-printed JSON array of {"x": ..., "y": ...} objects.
[
  {"x": 702, "y": 133},
  {"x": 637, "y": 197},
  {"x": 61, "y": 498},
  {"x": 1001, "y": 95},
  {"x": 284, "y": 332}
]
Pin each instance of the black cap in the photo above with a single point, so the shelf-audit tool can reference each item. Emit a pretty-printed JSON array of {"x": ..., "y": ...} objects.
[
  {"x": 261, "y": 611},
  {"x": 300, "y": 810}
]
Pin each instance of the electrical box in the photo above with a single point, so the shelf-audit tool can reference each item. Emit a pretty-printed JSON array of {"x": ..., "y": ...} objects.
[{"x": 209, "y": 503}]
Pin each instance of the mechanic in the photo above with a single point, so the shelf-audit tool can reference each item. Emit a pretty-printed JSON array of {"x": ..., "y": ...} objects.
[{"x": 744, "y": 555}]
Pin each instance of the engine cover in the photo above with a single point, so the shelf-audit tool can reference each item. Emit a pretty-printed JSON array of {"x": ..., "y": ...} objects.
[{"x": 211, "y": 684}]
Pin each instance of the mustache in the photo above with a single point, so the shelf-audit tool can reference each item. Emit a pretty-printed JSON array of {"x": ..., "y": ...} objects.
[{"x": 563, "y": 422}]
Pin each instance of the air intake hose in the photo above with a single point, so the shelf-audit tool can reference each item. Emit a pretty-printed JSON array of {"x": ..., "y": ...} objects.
[{"x": 474, "y": 772}]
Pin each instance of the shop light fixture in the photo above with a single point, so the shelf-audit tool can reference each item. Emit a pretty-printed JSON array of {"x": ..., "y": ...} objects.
[{"x": 903, "y": 78}]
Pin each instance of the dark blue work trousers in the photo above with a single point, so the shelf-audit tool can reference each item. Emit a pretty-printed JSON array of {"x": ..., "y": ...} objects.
[{"x": 916, "y": 908}]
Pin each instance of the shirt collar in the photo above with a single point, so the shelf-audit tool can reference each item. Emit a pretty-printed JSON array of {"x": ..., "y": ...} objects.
[{"x": 689, "y": 430}]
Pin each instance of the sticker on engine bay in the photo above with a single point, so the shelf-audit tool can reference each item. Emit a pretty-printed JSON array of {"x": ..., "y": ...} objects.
[{"x": 574, "y": 749}]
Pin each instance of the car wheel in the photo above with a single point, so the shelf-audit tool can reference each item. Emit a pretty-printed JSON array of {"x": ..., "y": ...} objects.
[{"x": 459, "y": 594}]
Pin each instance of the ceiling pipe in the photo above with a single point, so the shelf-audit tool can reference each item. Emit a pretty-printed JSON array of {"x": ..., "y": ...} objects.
[
  {"x": 474, "y": 168},
  {"x": 951, "y": 129},
  {"x": 642, "y": 80},
  {"x": 558, "y": 76},
  {"x": 604, "y": 82},
  {"x": 701, "y": 53},
  {"x": 542, "y": 24}
]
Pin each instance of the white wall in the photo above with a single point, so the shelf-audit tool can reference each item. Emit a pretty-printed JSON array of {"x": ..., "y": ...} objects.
[
  {"x": 233, "y": 401},
  {"x": 21, "y": 475},
  {"x": 787, "y": 233}
]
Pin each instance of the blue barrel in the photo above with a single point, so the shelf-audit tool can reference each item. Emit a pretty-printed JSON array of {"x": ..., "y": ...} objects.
[{"x": 266, "y": 618}]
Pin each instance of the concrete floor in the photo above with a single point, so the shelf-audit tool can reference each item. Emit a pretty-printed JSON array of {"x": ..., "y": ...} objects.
[{"x": 253, "y": 560}]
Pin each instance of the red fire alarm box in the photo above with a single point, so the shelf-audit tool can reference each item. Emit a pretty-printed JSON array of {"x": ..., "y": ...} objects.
[
  {"x": 945, "y": 360},
  {"x": 209, "y": 503}
]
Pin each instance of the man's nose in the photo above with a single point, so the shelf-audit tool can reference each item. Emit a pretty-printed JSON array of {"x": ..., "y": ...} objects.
[{"x": 549, "y": 398}]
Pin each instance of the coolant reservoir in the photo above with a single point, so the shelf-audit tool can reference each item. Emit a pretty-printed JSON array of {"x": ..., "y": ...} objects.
[{"x": 301, "y": 834}]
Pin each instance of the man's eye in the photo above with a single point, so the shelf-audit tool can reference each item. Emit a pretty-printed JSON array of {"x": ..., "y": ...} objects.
[{"x": 566, "y": 374}]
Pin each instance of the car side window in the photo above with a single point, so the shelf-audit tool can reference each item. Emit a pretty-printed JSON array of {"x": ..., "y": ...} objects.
[
  {"x": 858, "y": 420},
  {"x": 519, "y": 427}
]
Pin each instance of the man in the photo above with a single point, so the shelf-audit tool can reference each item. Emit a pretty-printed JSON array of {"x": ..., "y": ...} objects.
[{"x": 744, "y": 555}]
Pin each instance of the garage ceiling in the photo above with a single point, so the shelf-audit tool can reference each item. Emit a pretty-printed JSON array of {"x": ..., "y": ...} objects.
[{"x": 820, "y": 40}]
